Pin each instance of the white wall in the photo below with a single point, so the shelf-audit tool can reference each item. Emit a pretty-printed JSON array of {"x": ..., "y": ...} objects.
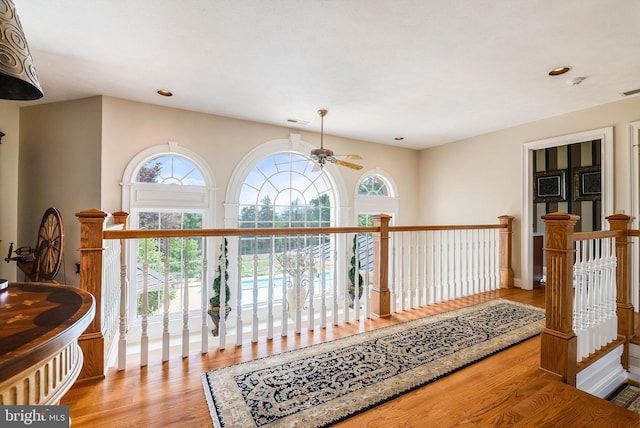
[
  {"x": 130, "y": 127},
  {"x": 78, "y": 151},
  {"x": 477, "y": 179},
  {"x": 10, "y": 125},
  {"x": 59, "y": 167}
]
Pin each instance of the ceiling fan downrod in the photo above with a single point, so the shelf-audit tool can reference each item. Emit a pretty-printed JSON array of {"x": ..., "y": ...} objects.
[{"x": 322, "y": 113}]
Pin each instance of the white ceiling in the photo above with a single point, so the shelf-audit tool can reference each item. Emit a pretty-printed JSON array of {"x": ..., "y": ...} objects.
[{"x": 432, "y": 71}]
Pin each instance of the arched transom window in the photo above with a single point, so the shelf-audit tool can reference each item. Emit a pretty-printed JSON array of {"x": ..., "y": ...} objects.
[
  {"x": 284, "y": 190},
  {"x": 170, "y": 169},
  {"x": 375, "y": 195},
  {"x": 373, "y": 186}
]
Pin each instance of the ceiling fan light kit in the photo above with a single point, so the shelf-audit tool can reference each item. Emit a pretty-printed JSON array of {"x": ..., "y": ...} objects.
[{"x": 321, "y": 156}]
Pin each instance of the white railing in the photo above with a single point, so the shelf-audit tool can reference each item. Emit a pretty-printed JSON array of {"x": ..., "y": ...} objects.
[
  {"x": 595, "y": 322},
  {"x": 436, "y": 265},
  {"x": 280, "y": 281},
  {"x": 111, "y": 291},
  {"x": 306, "y": 286}
]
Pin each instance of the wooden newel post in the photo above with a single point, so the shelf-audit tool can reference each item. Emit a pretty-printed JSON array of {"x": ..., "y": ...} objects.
[
  {"x": 120, "y": 217},
  {"x": 624, "y": 308},
  {"x": 506, "y": 234},
  {"x": 558, "y": 342},
  {"x": 380, "y": 295},
  {"x": 92, "y": 341}
]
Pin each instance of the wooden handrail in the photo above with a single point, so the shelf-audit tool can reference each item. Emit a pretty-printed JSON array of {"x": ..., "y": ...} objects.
[
  {"x": 190, "y": 233},
  {"x": 449, "y": 227},
  {"x": 598, "y": 234},
  {"x": 93, "y": 232}
]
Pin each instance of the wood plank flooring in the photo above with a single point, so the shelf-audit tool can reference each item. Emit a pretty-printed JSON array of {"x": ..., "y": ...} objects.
[{"x": 504, "y": 390}]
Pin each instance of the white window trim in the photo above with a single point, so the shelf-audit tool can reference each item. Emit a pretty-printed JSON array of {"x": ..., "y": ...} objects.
[
  {"x": 202, "y": 197},
  {"x": 634, "y": 157}
]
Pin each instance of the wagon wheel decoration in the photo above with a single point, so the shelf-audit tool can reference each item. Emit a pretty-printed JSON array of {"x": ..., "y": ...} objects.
[
  {"x": 48, "y": 252},
  {"x": 43, "y": 262}
]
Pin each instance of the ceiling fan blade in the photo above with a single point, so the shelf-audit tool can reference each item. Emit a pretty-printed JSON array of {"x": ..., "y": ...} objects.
[
  {"x": 350, "y": 157},
  {"x": 347, "y": 164}
]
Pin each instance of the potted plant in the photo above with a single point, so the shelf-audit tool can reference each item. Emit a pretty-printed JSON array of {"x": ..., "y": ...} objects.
[
  {"x": 214, "y": 301},
  {"x": 355, "y": 266}
]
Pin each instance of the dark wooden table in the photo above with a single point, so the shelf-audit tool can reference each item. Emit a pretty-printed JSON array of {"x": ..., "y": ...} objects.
[{"x": 39, "y": 329}]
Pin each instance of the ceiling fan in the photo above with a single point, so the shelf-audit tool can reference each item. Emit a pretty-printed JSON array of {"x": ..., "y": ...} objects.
[{"x": 321, "y": 156}]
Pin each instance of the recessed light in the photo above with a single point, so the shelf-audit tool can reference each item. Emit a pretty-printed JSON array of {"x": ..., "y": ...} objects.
[
  {"x": 558, "y": 71},
  {"x": 399, "y": 138},
  {"x": 165, "y": 92}
]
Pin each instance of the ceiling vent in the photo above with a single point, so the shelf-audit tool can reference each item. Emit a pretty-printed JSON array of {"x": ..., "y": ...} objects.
[{"x": 635, "y": 91}]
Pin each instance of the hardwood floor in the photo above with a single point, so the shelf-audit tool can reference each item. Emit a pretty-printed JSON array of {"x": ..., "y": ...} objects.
[{"x": 506, "y": 389}]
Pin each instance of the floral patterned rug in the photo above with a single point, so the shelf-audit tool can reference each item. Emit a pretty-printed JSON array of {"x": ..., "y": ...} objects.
[
  {"x": 627, "y": 396},
  {"x": 322, "y": 384}
]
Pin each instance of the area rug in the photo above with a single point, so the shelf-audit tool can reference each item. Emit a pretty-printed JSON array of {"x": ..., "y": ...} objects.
[
  {"x": 322, "y": 384},
  {"x": 627, "y": 396}
]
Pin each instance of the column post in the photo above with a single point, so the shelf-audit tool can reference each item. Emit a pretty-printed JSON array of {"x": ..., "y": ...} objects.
[
  {"x": 506, "y": 235},
  {"x": 380, "y": 295},
  {"x": 558, "y": 342},
  {"x": 92, "y": 340}
]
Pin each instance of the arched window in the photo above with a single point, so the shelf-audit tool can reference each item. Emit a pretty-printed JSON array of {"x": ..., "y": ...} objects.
[
  {"x": 375, "y": 194},
  {"x": 167, "y": 187},
  {"x": 372, "y": 186},
  {"x": 170, "y": 169},
  {"x": 284, "y": 190},
  {"x": 276, "y": 185}
]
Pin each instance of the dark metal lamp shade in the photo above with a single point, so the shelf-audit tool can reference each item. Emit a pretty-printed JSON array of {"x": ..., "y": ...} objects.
[{"x": 18, "y": 77}]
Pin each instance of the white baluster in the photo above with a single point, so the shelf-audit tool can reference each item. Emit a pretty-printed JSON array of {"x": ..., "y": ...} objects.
[
  {"x": 144, "y": 339},
  {"x": 255, "y": 322},
  {"x": 286, "y": 305},
  {"x": 298, "y": 286},
  {"x": 166, "y": 338},
  {"x": 402, "y": 265},
  {"x": 323, "y": 282},
  {"x": 222, "y": 322},
  {"x": 335, "y": 245},
  {"x": 185, "y": 301},
  {"x": 270, "y": 290},
  {"x": 204, "y": 298},
  {"x": 356, "y": 278},
  {"x": 455, "y": 265},
  {"x": 239, "y": 323},
  {"x": 124, "y": 292},
  {"x": 367, "y": 279},
  {"x": 579, "y": 301},
  {"x": 393, "y": 286},
  {"x": 409, "y": 278},
  {"x": 345, "y": 288},
  {"x": 312, "y": 274}
]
